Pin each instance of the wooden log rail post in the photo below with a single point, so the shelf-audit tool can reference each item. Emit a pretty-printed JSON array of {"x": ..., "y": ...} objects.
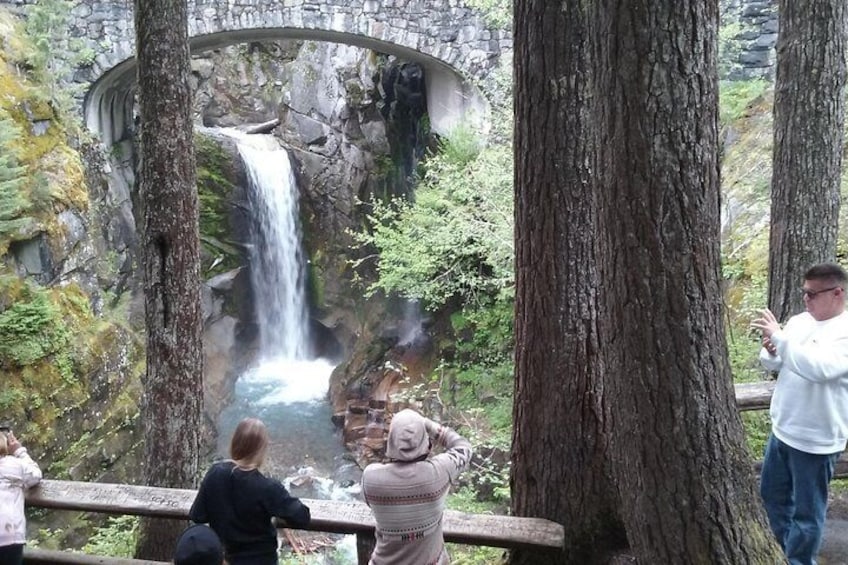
[{"x": 340, "y": 517}]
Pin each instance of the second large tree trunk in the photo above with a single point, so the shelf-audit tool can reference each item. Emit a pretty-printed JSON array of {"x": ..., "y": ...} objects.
[
  {"x": 687, "y": 490},
  {"x": 809, "y": 117}
]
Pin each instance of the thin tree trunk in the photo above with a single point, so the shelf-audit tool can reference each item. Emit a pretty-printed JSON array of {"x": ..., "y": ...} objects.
[
  {"x": 561, "y": 426},
  {"x": 809, "y": 117},
  {"x": 173, "y": 387},
  {"x": 686, "y": 486}
]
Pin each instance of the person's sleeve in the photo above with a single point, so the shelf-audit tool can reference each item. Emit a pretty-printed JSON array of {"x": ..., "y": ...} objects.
[
  {"x": 363, "y": 483},
  {"x": 30, "y": 471},
  {"x": 770, "y": 362},
  {"x": 457, "y": 455},
  {"x": 287, "y": 507},
  {"x": 814, "y": 360},
  {"x": 775, "y": 362},
  {"x": 198, "y": 513}
]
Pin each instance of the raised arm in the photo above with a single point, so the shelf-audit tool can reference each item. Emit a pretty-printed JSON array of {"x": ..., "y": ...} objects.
[
  {"x": 457, "y": 455},
  {"x": 30, "y": 471},
  {"x": 769, "y": 358},
  {"x": 812, "y": 360}
]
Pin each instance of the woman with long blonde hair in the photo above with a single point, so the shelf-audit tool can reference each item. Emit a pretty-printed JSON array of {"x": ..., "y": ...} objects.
[{"x": 239, "y": 502}]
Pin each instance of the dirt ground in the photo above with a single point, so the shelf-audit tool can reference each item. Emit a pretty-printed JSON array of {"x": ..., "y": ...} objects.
[{"x": 835, "y": 547}]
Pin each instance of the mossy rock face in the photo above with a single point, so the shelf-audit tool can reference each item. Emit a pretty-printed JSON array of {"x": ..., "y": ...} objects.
[
  {"x": 69, "y": 377},
  {"x": 223, "y": 203},
  {"x": 52, "y": 178}
]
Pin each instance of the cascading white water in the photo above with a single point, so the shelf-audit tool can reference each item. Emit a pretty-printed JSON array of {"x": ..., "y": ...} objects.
[
  {"x": 277, "y": 265},
  {"x": 286, "y": 370}
]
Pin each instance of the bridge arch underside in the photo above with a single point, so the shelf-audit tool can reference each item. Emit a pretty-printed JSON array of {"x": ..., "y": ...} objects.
[{"x": 451, "y": 98}]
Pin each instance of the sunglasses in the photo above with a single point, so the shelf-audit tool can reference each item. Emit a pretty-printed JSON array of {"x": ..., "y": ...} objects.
[{"x": 811, "y": 294}]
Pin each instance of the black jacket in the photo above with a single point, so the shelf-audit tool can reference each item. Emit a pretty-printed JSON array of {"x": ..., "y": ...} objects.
[{"x": 239, "y": 505}]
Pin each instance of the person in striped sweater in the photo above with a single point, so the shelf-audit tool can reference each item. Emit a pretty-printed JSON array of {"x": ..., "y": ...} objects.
[{"x": 407, "y": 494}]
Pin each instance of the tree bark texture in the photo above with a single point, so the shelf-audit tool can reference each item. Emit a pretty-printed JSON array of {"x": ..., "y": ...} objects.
[
  {"x": 809, "y": 117},
  {"x": 686, "y": 486},
  {"x": 560, "y": 438},
  {"x": 173, "y": 385}
]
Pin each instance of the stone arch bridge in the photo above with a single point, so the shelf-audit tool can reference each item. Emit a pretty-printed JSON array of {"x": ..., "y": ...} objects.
[{"x": 454, "y": 44}]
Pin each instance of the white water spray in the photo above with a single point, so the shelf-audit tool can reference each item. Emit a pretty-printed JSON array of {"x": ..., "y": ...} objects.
[
  {"x": 277, "y": 265},
  {"x": 287, "y": 371}
]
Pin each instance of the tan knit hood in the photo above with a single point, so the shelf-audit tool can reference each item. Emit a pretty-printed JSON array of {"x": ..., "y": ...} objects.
[{"x": 408, "y": 439}]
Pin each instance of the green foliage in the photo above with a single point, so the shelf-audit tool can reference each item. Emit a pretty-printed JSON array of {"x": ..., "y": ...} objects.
[
  {"x": 481, "y": 370},
  {"x": 729, "y": 48},
  {"x": 485, "y": 331},
  {"x": 455, "y": 240},
  {"x": 496, "y": 13},
  {"x": 46, "y": 19},
  {"x": 116, "y": 539},
  {"x": 466, "y": 499},
  {"x": 461, "y": 147},
  {"x": 55, "y": 55},
  {"x": 736, "y": 97},
  {"x": 452, "y": 249},
  {"x": 757, "y": 428},
  {"x": 13, "y": 200},
  {"x": 11, "y": 398},
  {"x": 474, "y": 555},
  {"x": 30, "y": 330},
  {"x": 213, "y": 190}
]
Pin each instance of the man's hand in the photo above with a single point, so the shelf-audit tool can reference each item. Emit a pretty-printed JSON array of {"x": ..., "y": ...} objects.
[
  {"x": 766, "y": 323},
  {"x": 13, "y": 443},
  {"x": 770, "y": 347}
]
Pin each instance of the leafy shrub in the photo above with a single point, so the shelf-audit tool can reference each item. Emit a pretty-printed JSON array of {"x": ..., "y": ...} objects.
[
  {"x": 735, "y": 97},
  {"x": 455, "y": 239},
  {"x": 31, "y": 330},
  {"x": 116, "y": 539},
  {"x": 496, "y": 13}
]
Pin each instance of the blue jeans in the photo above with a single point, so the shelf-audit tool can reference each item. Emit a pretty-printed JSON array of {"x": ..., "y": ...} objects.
[
  {"x": 794, "y": 488},
  {"x": 12, "y": 554}
]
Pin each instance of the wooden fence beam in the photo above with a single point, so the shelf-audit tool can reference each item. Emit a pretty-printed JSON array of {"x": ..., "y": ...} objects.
[
  {"x": 38, "y": 556},
  {"x": 342, "y": 517},
  {"x": 754, "y": 396}
]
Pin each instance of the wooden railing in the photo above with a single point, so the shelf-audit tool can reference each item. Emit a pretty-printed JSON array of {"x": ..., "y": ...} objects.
[
  {"x": 754, "y": 396},
  {"x": 327, "y": 516},
  {"x": 757, "y": 396}
]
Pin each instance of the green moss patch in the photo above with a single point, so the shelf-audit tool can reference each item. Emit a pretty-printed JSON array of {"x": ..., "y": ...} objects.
[{"x": 214, "y": 190}]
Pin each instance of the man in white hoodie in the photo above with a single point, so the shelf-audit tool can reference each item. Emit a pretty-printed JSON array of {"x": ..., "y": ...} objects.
[
  {"x": 809, "y": 411},
  {"x": 18, "y": 472}
]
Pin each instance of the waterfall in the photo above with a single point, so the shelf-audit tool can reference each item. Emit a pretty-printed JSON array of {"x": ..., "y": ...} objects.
[
  {"x": 287, "y": 386},
  {"x": 277, "y": 264},
  {"x": 286, "y": 370}
]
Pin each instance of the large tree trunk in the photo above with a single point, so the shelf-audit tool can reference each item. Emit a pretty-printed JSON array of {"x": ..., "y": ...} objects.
[
  {"x": 809, "y": 114},
  {"x": 686, "y": 485},
  {"x": 561, "y": 427},
  {"x": 173, "y": 387}
]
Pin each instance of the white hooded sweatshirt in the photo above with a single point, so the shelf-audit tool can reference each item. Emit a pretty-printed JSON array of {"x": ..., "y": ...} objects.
[{"x": 18, "y": 472}]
